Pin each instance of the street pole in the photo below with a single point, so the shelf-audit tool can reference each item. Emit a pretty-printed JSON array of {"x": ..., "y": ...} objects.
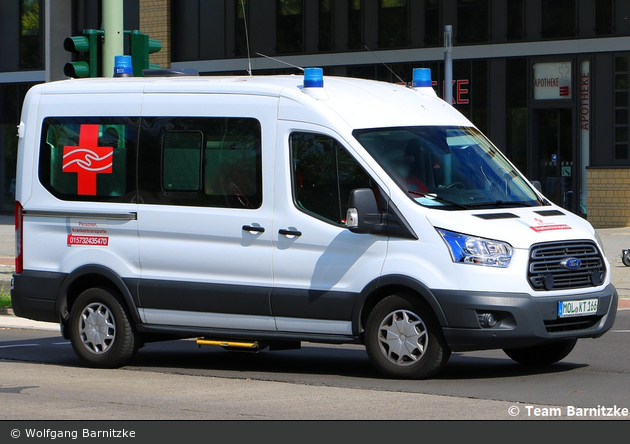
[
  {"x": 114, "y": 40},
  {"x": 448, "y": 64}
]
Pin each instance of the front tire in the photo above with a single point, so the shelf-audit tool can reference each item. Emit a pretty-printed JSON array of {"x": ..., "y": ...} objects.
[
  {"x": 403, "y": 339},
  {"x": 542, "y": 354},
  {"x": 101, "y": 333}
]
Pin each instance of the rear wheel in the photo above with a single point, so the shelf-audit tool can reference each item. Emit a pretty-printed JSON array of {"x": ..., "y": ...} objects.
[
  {"x": 403, "y": 340},
  {"x": 542, "y": 354},
  {"x": 100, "y": 330}
]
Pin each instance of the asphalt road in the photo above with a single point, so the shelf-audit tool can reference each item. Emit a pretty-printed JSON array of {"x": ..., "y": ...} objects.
[{"x": 180, "y": 380}]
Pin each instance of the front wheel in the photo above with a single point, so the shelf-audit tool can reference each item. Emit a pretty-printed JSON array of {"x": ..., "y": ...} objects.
[
  {"x": 403, "y": 340},
  {"x": 101, "y": 333},
  {"x": 542, "y": 354}
]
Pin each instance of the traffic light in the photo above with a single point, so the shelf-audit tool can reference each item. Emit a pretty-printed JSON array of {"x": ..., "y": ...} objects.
[
  {"x": 140, "y": 46},
  {"x": 87, "y": 48}
]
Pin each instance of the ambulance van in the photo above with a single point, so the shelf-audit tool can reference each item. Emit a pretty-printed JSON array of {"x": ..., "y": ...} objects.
[{"x": 261, "y": 212}]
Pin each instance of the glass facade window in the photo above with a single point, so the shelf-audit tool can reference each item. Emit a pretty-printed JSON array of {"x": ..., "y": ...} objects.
[
  {"x": 240, "y": 30},
  {"x": 470, "y": 91},
  {"x": 621, "y": 154},
  {"x": 515, "y": 20},
  {"x": 432, "y": 23},
  {"x": 289, "y": 26},
  {"x": 393, "y": 28},
  {"x": 516, "y": 102},
  {"x": 473, "y": 21},
  {"x": 325, "y": 25},
  {"x": 604, "y": 17},
  {"x": 30, "y": 34},
  {"x": 559, "y": 18},
  {"x": 355, "y": 24}
]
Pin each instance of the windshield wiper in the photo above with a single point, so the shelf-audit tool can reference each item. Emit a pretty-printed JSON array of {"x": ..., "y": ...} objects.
[
  {"x": 499, "y": 203},
  {"x": 438, "y": 198}
]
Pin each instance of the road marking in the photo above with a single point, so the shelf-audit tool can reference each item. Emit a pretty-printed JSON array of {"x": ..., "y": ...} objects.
[
  {"x": 621, "y": 331},
  {"x": 19, "y": 345},
  {"x": 61, "y": 343}
]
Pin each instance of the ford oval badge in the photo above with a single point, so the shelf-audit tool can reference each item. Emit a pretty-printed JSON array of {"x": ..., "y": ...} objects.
[{"x": 571, "y": 263}]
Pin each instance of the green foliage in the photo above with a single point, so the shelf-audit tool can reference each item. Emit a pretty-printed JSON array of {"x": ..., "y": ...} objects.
[{"x": 5, "y": 297}]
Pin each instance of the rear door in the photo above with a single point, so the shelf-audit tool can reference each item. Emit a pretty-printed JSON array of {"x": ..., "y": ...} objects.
[{"x": 205, "y": 210}]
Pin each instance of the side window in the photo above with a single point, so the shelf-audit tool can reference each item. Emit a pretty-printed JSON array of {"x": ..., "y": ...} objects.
[
  {"x": 201, "y": 161},
  {"x": 89, "y": 159},
  {"x": 324, "y": 174}
]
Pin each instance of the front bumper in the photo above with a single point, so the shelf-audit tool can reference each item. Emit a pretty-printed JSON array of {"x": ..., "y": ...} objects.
[{"x": 522, "y": 320}]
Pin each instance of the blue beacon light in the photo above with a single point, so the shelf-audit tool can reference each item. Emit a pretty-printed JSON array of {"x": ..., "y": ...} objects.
[
  {"x": 122, "y": 66},
  {"x": 421, "y": 77},
  {"x": 313, "y": 77}
]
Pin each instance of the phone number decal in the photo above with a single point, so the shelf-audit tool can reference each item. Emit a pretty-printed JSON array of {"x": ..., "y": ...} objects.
[{"x": 100, "y": 241}]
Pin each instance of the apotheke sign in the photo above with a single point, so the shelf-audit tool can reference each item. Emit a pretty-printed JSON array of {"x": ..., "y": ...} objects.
[{"x": 552, "y": 81}]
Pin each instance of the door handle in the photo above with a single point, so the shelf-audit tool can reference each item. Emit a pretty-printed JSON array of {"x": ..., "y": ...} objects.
[
  {"x": 254, "y": 229},
  {"x": 286, "y": 232}
]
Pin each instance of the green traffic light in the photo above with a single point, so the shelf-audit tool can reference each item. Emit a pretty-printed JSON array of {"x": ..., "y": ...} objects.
[
  {"x": 76, "y": 69},
  {"x": 77, "y": 44},
  {"x": 85, "y": 49}
]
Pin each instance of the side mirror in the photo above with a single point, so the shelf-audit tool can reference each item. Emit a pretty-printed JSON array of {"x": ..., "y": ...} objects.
[{"x": 363, "y": 215}]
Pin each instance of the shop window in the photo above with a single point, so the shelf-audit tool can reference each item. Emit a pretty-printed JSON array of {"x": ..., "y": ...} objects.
[
  {"x": 432, "y": 23},
  {"x": 559, "y": 18},
  {"x": 393, "y": 24},
  {"x": 470, "y": 91},
  {"x": 325, "y": 25},
  {"x": 515, "y": 20},
  {"x": 604, "y": 17},
  {"x": 621, "y": 153},
  {"x": 289, "y": 26},
  {"x": 473, "y": 21},
  {"x": 30, "y": 34},
  {"x": 324, "y": 175},
  {"x": 87, "y": 158}
]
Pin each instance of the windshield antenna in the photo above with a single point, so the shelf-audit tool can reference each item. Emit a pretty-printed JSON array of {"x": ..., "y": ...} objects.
[
  {"x": 390, "y": 70},
  {"x": 281, "y": 61},
  {"x": 249, "y": 59}
]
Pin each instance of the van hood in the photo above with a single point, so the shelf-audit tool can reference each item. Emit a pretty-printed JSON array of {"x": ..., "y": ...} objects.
[{"x": 520, "y": 227}]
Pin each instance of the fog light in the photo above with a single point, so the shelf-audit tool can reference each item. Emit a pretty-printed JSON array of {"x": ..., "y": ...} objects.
[{"x": 487, "y": 320}]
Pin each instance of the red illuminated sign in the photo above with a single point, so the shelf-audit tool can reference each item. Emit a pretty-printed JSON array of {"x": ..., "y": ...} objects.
[{"x": 87, "y": 159}]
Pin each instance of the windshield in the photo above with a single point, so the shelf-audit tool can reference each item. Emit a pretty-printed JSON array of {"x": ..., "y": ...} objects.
[{"x": 448, "y": 167}]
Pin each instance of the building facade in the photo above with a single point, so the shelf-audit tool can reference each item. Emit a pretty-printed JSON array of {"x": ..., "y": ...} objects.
[{"x": 545, "y": 80}]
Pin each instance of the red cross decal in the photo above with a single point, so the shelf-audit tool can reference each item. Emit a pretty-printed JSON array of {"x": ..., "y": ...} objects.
[{"x": 87, "y": 159}]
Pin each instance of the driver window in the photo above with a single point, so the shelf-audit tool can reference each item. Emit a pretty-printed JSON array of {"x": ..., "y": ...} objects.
[{"x": 324, "y": 174}]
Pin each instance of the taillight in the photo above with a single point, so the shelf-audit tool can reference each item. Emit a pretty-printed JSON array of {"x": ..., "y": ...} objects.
[{"x": 19, "y": 259}]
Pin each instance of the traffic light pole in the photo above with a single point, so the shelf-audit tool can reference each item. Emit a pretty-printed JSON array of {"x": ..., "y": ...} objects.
[{"x": 114, "y": 42}]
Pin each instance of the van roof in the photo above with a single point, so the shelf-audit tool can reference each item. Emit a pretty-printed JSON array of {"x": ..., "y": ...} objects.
[{"x": 361, "y": 103}]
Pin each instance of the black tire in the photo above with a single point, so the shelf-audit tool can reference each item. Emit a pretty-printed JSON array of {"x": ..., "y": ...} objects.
[
  {"x": 101, "y": 332},
  {"x": 403, "y": 317},
  {"x": 626, "y": 258},
  {"x": 542, "y": 354}
]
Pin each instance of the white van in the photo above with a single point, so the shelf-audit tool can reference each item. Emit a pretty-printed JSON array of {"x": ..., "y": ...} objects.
[{"x": 254, "y": 212}]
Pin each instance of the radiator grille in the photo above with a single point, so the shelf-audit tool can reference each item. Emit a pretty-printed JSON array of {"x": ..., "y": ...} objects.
[{"x": 548, "y": 270}]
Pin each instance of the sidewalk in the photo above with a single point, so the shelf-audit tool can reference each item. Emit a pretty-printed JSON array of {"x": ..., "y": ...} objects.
[{"x": 614, "y": 240}]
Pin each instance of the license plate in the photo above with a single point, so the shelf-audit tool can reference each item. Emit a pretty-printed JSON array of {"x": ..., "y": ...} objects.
[{"x": 577, "y": 308}]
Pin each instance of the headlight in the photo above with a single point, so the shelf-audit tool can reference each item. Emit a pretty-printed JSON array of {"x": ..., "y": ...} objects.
[{"x": 476, "y": 250}]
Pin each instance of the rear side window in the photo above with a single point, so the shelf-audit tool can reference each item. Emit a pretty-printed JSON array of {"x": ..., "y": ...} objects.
[
  {"x": 324, "y": 175},
  {"x": 89, "y": 159},
  {"x": 201, "y": 161}
]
